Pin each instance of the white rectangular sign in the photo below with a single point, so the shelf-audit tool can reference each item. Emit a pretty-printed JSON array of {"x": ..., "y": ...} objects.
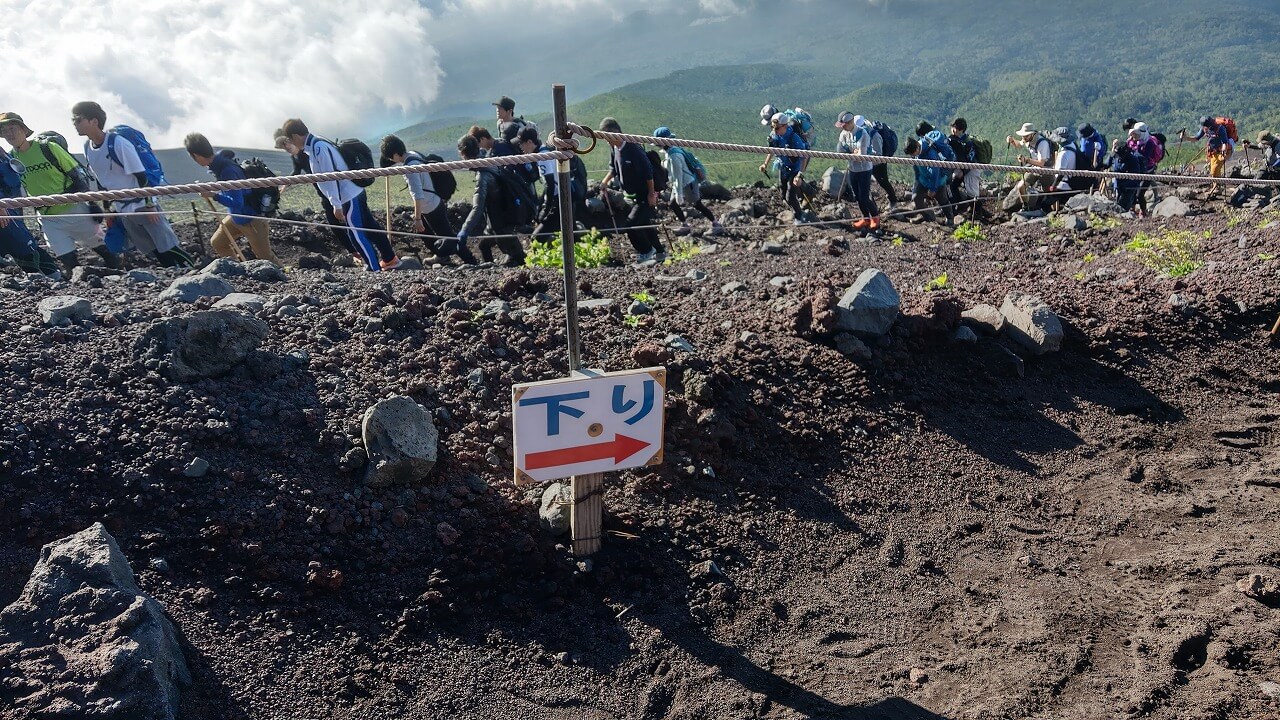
[{"x": 594, "y": 423}]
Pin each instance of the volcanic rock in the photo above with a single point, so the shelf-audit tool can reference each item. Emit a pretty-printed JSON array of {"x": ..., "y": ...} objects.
[{"x": 401, "y": 441}]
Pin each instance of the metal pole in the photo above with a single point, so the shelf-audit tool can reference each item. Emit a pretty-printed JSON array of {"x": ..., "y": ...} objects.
[{"x": 565, "y": 196}]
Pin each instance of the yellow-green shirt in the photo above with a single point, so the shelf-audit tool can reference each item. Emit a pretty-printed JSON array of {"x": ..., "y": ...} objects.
[{"x": 40, "y": 176}]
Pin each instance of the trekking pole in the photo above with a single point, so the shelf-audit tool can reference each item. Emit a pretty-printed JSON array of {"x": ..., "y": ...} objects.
[
  {"x": 1004, "y": 174},
  {"x": 388, "y": 203},
  {"x": 195, "y": 217},
  {"x": 235, "y": 244}
]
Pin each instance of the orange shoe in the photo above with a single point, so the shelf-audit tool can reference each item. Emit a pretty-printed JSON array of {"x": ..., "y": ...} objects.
[
  {"x": 875, "y": 224},
  {"x": 861, "y": 224}
]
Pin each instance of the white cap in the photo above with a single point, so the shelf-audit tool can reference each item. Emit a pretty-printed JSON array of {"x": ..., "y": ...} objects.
[
  {"x": 859, "y": 121},
  {"x": 766, "y": 113}
]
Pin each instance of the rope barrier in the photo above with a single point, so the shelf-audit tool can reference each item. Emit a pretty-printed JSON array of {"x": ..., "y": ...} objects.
[
  {"x": 278, "y": 181},
  {"x": 895, "y": 160}
]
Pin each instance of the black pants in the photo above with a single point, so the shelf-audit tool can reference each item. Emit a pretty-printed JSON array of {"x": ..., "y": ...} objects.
[
  {"x": 790, "y": 193},
  {"x": 943, "y": 197},
  {"x": 699, "y": 206},
  {"x": 881, "y": 174},
  {"x": 17, "y": 242},
  {"x": 643, "y": 239},
  {"x": 506, "y": 242},
  {"x": 549, "y": 224},
  {"x": 860, "y": 183}
]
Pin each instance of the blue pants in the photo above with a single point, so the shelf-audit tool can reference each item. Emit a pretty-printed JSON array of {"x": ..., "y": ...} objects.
[
  {"x": 17, "y": 242},
  {"x": 365, "y": 235}
]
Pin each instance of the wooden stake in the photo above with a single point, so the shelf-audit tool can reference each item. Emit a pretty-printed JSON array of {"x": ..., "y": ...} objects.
[
  {"x": 388, "y": 185},
  {"x": 1276, "y": 328},
  {"x": 585, "y": 514}
]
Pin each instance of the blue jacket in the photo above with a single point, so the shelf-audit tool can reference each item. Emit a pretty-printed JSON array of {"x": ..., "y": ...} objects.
[
  {"x": 224, "y": 167},
  {"x": 789, "y": 139},
  {"x": 1218, "y": 137},
  {"x": 927, "y": 177}
]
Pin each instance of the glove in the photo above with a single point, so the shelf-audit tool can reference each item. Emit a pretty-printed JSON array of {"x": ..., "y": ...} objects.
[{"x": 462, "y": 236}]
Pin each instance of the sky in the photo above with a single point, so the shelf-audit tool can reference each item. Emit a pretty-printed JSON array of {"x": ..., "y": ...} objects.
[{"x": 235, "y": 69}]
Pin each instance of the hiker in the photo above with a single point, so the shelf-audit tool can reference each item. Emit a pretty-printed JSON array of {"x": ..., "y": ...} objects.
[
  {"x": 47, "y": 169},
  {"x": 855, "y": 139},
  {"x": 1126, "y": 159},
  {"x": 1269, "y": 144},
  {"x": 884, "y": 143},
  {"x": 242, "y": 220},
  {"x": 490, "y": 147},
  {"x": 1040, "y": 154},
  {"x": 931, "y": 182},
  {"x": 790, "y": 169},
  {"x": 967, "y": 184},
  {"x": 549, "y": 214},
  {"x": 364, "y": 236},
  {"x": 16, "y": 240},
  {"x": 430, "y": 204},
  {"x": 489, "y": 203},
  {"x": 1218, "y": 148},
  {"x": 505, "y": 108},
  {"x": 302, "y": 166},
  {"x": 118, "y": 164},
  {"x": 685, "y": 175},
  {"x": 629, "y": 165}
]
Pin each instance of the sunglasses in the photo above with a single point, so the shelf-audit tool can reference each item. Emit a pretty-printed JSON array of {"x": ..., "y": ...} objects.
[{"x": 77, "y": 120}]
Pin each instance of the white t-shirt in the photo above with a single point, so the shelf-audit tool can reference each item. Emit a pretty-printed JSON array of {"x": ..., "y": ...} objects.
[
  {"x": 116, "y": 176},
  {"x": 421, "y": 187}
]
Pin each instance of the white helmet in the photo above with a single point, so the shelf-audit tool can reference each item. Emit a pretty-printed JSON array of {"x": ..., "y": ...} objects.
[{"x": 766, "y": 114}]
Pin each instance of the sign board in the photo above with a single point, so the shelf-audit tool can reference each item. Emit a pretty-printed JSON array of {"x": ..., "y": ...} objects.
[{"x": 590, "y": 423}]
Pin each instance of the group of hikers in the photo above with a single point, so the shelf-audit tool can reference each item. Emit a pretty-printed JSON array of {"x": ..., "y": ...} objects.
[{"x": 506, "y": 204}]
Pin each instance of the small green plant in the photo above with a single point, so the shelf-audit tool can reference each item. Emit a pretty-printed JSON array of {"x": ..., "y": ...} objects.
[
  {"x": 1098, "y": 222},
  {"x": 1090, "y": 257},
  {"x": 942, "y": 282},
  {"x": 898, "y": 241},
  {"x": 1266, "y": 256},
  {"x": 590, "y": 250},
  {"x": 682, "y": 250},
  {"x": 1270, "y": 216},
  {"x": 1172, "y": 252},
  {"x": 631, "y": 321},
  {"x": 477, "y": 316},
  {"x": 644, "y": 297},
  {"x": 1056, "y": 222},
  {"x": 1080, "y": 276},
  {"x": 969, "y": 232},
  {"x": 723, "y": 263},
  {"x": 1235, "y": 216}
]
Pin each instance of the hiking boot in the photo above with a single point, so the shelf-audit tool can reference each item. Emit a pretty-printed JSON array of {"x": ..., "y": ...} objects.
[
  {"x": 646, "y": 258},
  {"x": 514, "y": 262},
  {"x": 861, "y": 224},
  {"x": 716, "y": 229},
  {"x": 661, "y": 256},
  {"x": 683, "y": 230},
  {"x": 874, "y": 224},
  {"x": 391, "y": 264}
]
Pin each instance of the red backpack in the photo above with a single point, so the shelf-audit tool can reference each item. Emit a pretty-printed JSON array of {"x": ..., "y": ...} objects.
[{"x": 1230, "y": 125}]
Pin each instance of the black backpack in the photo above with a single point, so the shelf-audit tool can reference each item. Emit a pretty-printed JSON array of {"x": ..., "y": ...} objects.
[
  {"x": 577, "y": 179},
  {"x": 660, "y": 177},
  {"x": 263, "y": 201},
  {"x": 518, "y": 203},
  {"x": 77, "y": 179},
  {"x": 357, "y": 156},
  {"x": 442, "y": 180},
  {"x": 888, "y": 138}
]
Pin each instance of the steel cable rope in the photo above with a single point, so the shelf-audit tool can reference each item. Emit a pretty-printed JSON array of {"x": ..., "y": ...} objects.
[{"x": 897, "y": 160}]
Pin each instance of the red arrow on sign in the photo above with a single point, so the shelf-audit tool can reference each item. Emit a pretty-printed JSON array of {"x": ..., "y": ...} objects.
[{"x": 619, "y": 448}]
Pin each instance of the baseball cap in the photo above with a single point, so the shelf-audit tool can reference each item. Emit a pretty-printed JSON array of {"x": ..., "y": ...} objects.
[
  {"x": 766, "y": 113},
  {"x": 505, "y": 103},
  {"x": 845, "y": 118},
  {"x": 778, "y": 119},
  {"x": 664, "y": 132}
]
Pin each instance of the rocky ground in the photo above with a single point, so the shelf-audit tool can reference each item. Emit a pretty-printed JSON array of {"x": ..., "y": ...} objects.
[{"x": 911, "y": 527}]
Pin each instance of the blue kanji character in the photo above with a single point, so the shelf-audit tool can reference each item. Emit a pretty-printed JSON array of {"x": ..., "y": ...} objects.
[
  {"x": 555, "y": 408},
  {"x": 621, "y": 405}
]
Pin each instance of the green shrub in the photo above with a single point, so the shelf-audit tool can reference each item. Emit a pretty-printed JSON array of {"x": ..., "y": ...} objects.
[
  {"x": 969, "y": 232},
  {"x": 1172, "y": 252},
  {"x": 590, "y": 250}
]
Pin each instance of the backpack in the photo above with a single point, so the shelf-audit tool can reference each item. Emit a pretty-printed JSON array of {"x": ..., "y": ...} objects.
[
  {"x": 443, "y": 181},
  {"x": 1092, "y": 152},
  {"x": 660, "y": 177},
  {"x": 77, "y": 178},
  {"x": 1230, "y": 125},
  {"x": 1054, "y": 147},
  {"x": 519, "y": 205},
  {"x": 357, "y": 156},
  {"x": 694, "y": 165},
  {"x": 965, "y": 150},
  {"x": 1158, "y": 155},
  {"x": 982, "y": 152},
  {"x": 939, "y": 143},
  {"x": 577, "y": 179},
  {"x": 888, "y": 138},
  {"x": 150, "y": 164},
  {"x": 10, "y": 180},
  {"x": 263, "y": 201},
  {"x": 801, "y": 122}
]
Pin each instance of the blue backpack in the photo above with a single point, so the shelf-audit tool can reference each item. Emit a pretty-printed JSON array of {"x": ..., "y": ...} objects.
[
  {"x": 802, "y": 123},
  {"x": 10, "y": 180},
  {"x": 939, "y": 143},
  {"x": 888, "y": 138},
  {"x": 155, "y": 173},
  {"x": 1092, "y": 154}
]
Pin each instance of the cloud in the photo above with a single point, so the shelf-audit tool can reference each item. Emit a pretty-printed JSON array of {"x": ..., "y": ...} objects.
[{"x": 232, "y": 69}]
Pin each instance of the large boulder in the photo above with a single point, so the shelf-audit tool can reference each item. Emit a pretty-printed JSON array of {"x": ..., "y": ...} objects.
[
  {"x": 1030, "y": 321},
  {"x": 83, "y": 641},
  {"x": 1096, "y": 204},
  {"x": 832, "y": 181},
  {"x": 986, "y": 318},
  {"x": 264, "y": 271},
  {"x": 191, "y": 288},
  {"x": 400, "y": 440},
  {"x": 870, "y": 306},
  {"x": 224, "y": 267},
  {"x": 1171, "y": 206},
  {"x": 54, "y": 310},
  {"x": 203, "y": 344},
  {"x": 554, "y": 510}
]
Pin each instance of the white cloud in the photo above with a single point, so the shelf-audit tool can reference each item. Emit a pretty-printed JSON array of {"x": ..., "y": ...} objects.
[{"x": 232, "y": 69}]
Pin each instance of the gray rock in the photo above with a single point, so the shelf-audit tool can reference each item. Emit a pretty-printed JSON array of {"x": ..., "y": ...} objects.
[
  {"x": 225, "y": 267},
  {"x": 781, "y": 280},
  {"x": 595, "y": 303},
  {"x": 494, "y": 308},
  {"x": 313, "y": 261},
  {"x": 849, "y": 345},
  {"x": 336, "y": 288},
  {"x": 343, "y": 260},
  {"x": 984, "y": 318},
  {"x": 191, "y": 288},
  {"x": 554, "y": 510},
  {"x": 773, "y": 248},
  {"x": 1171, "y": 207},
  {"x": 964, "y": 334},
  {"x": 401, "y": 441},
  {"x": 696, "y": 275},
  {"x": 203, "y": 344},
  {"x": 1032, "y": 323},
  {"x": 90, "y": 641},
  {"x": 678, "y": 343},
  {"x": 54, "y": 310},
  {"x": 264, "y": 271},
  {"x": 410, "y": 263},
  {"x": 749, "y": 207},
  {"x": 1074, "y": 222},
  {"x": 1096, "y": 204},
  {"x": 870, "y": 306},
  {"x": 638, "y": 308},
  {"x": 247, "y": 301},
  {"x": 140, "y": 276},
  {"x": 197, "y": 468},
  {"x": 832, "y": 181},
  {"x": 1269, "y": 689},
  {"x": 733, "y": 287},
  {"x": 288, "y": 311},
  {"x": 476, "y": 378}
]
